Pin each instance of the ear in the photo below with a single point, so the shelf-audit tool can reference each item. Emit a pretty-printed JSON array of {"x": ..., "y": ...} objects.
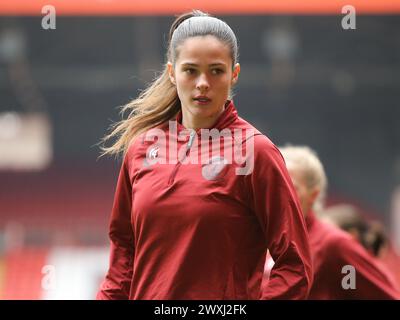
[
  {"x": 235, "y": 74},
  {"x": 171, "y": 72}
]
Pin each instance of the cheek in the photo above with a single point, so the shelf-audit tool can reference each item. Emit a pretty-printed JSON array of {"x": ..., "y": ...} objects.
[
  {"x": 182, "y": 85},
  {"x": 225, "y": 87},
  {"x": 225, "y": 81},
  {"x": 301, "y": 194},
  {"x": 221, "y": 88},
  {"x": 306, "y": 197}
]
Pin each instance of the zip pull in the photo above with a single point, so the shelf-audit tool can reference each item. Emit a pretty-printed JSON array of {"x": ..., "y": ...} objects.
[
  {"x": 188, "y": 146},
  {"x": 191, "y": 139}
]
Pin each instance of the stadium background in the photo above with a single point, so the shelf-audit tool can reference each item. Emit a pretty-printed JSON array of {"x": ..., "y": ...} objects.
[{"x": 304, "y": 80}]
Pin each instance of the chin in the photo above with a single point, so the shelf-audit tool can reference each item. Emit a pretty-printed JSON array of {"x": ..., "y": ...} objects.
[
  {"x": 201, "y": 109},
  {"x": 208, "y": 113}
]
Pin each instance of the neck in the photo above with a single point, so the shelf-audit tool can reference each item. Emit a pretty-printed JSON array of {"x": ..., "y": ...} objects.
[{"x": 191, "y": 122}]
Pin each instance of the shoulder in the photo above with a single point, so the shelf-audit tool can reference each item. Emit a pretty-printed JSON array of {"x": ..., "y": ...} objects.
[
  {"x": 136, "y": 153},
  {"x": 139, "y": 145},
  {"x": 134, "y": 147},
  {"x": 340, "y": 244},
  {"x": 267, "y": 154},
  {"x": 262, "y": 145},
  {"x": 142, "y": 144}
]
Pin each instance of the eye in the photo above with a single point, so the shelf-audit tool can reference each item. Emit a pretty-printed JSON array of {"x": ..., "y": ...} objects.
[
  {"x": 189, "y": 71},
  {"x": 217, "y": 71}
]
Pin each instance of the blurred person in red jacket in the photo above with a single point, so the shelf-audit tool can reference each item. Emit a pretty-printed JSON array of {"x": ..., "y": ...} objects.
[
  {"x": 370, "y": 233},
  {"x": 343, "y": 269},
  {"x": 200, "y": 230}
]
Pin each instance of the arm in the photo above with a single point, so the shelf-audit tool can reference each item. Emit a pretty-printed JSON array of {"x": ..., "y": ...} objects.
[
  {"x": 118, "y": 279},
  {"x": 275, "y": 203}
]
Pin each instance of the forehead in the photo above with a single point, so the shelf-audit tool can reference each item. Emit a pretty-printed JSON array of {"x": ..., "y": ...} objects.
[{"x": 203, "y": 49}]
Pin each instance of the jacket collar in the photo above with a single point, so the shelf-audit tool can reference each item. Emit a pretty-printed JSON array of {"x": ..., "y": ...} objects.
[{"x": 227, "y": 117}]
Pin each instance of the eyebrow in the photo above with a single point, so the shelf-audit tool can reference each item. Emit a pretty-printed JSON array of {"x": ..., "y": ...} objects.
[{"x": 211, "y": 65}]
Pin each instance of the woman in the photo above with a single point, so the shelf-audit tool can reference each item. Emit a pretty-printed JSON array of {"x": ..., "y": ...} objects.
[
  {"x": 343, "y": 269},
  {"x": 200, "y": 229}
]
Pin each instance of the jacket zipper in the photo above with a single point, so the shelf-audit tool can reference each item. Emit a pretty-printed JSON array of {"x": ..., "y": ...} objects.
[{"x": 188, "y": 146}]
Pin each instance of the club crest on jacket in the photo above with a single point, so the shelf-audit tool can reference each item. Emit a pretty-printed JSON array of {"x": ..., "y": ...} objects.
[{"x": 211, "y": 170}]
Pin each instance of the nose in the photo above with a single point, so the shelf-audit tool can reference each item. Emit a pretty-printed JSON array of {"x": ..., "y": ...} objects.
[{"x": 202, "y": 83}]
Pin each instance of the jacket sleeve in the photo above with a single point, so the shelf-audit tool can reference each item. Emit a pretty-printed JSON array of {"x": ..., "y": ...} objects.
[
  {"x": 276, "y": 205},
  {"x": 372, "y": 279},
  {"x": 118, "y": 278}
]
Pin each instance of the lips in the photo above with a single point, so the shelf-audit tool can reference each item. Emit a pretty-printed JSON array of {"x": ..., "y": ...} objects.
[{"x": 202, "y": 99}]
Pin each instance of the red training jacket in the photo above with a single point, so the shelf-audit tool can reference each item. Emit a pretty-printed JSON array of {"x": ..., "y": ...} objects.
[{"x": 191, "y": 231}]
